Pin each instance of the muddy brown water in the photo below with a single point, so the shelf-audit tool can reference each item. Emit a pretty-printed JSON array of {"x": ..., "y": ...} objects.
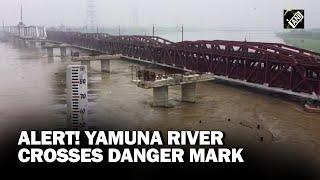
[{"x": 32, "y": 91}]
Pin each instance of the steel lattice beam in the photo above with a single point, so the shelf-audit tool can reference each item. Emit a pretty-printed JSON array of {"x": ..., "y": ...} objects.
[{"x": 271, "y": 64}]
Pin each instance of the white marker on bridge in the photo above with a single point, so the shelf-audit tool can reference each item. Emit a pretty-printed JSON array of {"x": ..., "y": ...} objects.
[{"x": 77, "y": 100}]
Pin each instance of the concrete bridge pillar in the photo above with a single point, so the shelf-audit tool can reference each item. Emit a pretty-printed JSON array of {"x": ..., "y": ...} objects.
[
  {"x": 42, "y": 44},
  {"x": 50, "y": 51},
  {"x": 32, "y": 44},
  {"x": 160, "y": 96},
  {"x": 63, "y": 51},
  {"x": 22, "y": 43},
  {"x": 105, "y": 65},
  {"x": 50, "y": 59},
  {"x": 87, "y": 63},
  {"x": 188, "y": 92},
  {"x": 15, "y": 41}
]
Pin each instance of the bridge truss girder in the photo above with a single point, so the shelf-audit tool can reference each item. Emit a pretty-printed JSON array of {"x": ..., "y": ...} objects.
[{"x": 271, "y": 64}]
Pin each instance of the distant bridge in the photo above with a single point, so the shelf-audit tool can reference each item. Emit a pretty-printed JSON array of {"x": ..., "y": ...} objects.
[{"x": 26, "y": 32}]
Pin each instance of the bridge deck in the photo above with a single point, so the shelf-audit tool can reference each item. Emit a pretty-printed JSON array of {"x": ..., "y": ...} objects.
[
  {"x": 96, "y": 58},
  {"x": 174, "y": 80},
  {"x": 270, "y": 65}
]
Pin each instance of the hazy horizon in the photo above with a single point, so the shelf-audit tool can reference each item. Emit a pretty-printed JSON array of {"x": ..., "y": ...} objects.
[{"x": 242, "y": 14}]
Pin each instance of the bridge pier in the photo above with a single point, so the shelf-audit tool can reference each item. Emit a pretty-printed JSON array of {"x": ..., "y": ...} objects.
[
  {"x": 104, "y": 61},
  {"x": 63, "y": 51},
  {"x": 50, "y": 60},
  {"x": 160, "y": 96},
  {"x": 50, "y": 51},
  {"x": 87, "y": 63},
  {"x": 42, "y": 44},
  {"x": 188, "y": 92},
  {"x": 33, "y": 44},
  {"x": 160, "y": 83},
  {"x": 105, "y": 65},
  {"x": 22, "y": 43},
  {"x": 15, "y": 41}
]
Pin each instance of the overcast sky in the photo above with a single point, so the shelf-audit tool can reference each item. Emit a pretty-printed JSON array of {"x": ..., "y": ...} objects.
[{"x": 260, "y": 14}]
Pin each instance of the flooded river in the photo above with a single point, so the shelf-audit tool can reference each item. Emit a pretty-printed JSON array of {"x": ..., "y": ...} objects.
[{"x": 32, "y": 93}]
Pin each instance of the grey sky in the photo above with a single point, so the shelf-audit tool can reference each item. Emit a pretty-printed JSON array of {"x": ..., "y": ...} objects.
[{"x": 264, "y": 14}]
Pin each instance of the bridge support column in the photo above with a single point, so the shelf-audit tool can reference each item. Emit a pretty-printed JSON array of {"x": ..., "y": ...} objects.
[
  {"x": 87, "y": 63},
  {"x": 33, "y": 44},
  {"x": 22, "y": 43},
  {"x": 160, "y": 96},
  {"x": 50, "y": 52},
  {"x": 105, "y": 65},
  {"x": 50, "y": 60},
  {"x": 63, "y": 51},
  {"x": 188, "y": 92},
  {"x": 42, "y": 44},
  {"x": 15, "y": 41}
]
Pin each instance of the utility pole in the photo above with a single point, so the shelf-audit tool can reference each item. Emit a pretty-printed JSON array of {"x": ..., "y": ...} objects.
[
  {"x": 153, "y": 30},
  {"x": 182, "y": 31},
  {"x": 21, "y": 16}
]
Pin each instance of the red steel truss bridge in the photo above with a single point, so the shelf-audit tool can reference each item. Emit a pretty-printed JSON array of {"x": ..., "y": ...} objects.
[{"x": 272, "y": 66}]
